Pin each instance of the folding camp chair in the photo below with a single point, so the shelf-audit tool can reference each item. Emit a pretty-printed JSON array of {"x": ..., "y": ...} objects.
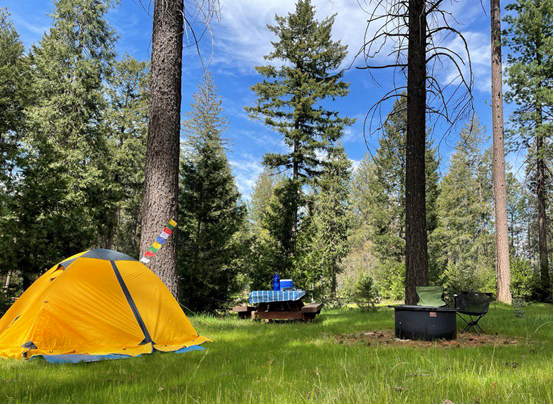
[
  {"x": 473, "y": 304},
  {"x": 430, "y": 296}
]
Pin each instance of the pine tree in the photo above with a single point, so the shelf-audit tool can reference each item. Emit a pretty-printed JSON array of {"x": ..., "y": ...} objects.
[
  {"x": 330, "y": 223},
  {"x": 518, "y": 207},
  {"x": 161, "y": 172},
  {"x": 261, "y": 196},
  {"x": 525, "y": 277},
  {"x": 363, "y": 192},
  {"x": 387, "y": 212},
  {"x": 14, "y": 90},
  {"x": 499, "y": 161},
  {"x": 14, "y": 97},
  {"x": 264, "y": 248},
  {"x": 290, "y": 99},
  {"x": 414, "y": 31},
  {"x": 417, "y": 255},
  {"x": 361, "y": 260},
  {"x": 56, "y": 200},
  {"x": 529, "y": 76},
  {"x": 123, "y": 165},
  {"x": 278, "y": 245},
  {"x": 211, "y": 213},
  {"x": 465, "y": 222},
  {"x": 390, "y": 169}
]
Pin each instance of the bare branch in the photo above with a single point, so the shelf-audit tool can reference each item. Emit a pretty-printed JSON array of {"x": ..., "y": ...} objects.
[
  {"x": 449, "y": 101},
  {"x": 204, "y": 11}
]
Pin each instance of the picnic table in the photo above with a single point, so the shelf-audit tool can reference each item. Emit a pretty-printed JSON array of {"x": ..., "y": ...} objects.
[{"x": 278, "y": 305}]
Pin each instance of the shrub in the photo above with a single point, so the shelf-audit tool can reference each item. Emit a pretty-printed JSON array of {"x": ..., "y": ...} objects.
[
  {"x": 525, "y": 280},
  {"x": 391, "y": 277},
  {"x": 462, "y": 277},
  {"x": 365, "y": 293}
]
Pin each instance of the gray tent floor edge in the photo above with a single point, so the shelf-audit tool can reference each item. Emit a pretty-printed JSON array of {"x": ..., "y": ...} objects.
[{"x": 147, "y": 338}]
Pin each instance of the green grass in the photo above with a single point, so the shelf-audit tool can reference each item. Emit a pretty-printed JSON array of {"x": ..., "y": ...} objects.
[{"x": 294, "y": 362}]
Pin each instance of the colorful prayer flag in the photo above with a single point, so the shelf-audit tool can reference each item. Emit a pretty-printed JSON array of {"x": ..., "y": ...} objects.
[{"x": 160, "y": 240}]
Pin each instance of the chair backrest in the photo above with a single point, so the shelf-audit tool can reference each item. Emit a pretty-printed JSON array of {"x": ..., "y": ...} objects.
[
  {"x": 430, "y": 296},
  {"x": 473, "y": 303}
]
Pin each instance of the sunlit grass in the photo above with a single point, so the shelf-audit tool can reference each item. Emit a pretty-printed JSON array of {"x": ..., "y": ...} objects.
[{"x": 294, "y": 362}]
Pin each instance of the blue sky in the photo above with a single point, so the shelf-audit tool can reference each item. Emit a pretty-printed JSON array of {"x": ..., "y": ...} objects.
[{"x": 239, "y": 39}]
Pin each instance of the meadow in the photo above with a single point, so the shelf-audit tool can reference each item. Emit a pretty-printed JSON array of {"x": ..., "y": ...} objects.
[{"x": 345, "y": 356}]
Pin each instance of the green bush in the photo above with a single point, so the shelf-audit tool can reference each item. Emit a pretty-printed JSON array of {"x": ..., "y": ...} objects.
[
  {"x": 390, "y": 276},
  {"x": 525, "y": 280},
  {"x": 366, "y": 294},
  {"x": 462, "y": 277}
]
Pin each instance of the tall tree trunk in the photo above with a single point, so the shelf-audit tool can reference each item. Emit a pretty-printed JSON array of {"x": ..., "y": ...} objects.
[
  {"x": 499, "y": 165},
  {"x": 541, "y": 199},
  {"x": 197, "y": 247},
  {"x": 417, "y": 261},
  {"x": 334, "y": 273},
  {"x": 541, "y": 211},
  {"x": 26, "y": 282},
  {"x": 7, "y": 282},
  {"x": 162, "y": 153},
  {"x": 111, "y": 230},
  {"x": 295, "y": 171}
]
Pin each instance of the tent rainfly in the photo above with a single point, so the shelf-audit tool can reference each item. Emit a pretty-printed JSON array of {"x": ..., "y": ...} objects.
[{"x": 94, "y": 305}]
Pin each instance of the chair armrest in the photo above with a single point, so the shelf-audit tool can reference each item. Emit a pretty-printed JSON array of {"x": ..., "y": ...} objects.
[{"x": 452, "y": 301}]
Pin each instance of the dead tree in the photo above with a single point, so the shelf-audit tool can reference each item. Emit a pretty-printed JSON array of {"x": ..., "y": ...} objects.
[
  {"x": 161, "y": 172},
  {"x": 415, "y": 35},
  {"x": 499, "y": 163}
]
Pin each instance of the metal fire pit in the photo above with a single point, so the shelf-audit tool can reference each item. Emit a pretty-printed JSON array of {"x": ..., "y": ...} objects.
[{"x": 417, "y": 322}]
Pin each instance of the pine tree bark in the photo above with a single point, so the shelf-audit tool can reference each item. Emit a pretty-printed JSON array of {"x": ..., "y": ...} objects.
[
  {"x": 162, "y": 153},
  {"x": 417, "y": 260},
  {"x": 541, "y": 200},
  {"x": 499, "y": 165},
  {"x": 541, "y": 211}
]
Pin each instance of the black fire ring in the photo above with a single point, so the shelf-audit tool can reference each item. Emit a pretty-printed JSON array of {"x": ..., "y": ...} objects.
[{"x": 417, "y": 322}]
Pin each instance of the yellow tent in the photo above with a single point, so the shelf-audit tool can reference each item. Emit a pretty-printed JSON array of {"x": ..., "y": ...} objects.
[{"x": 99, "y": 302}]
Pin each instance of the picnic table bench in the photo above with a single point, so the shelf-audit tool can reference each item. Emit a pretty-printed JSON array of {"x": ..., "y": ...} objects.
[{"x": 278, "y": 305}]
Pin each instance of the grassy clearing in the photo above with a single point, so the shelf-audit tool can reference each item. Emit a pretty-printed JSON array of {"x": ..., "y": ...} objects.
[{"x": 305, "y": 363}]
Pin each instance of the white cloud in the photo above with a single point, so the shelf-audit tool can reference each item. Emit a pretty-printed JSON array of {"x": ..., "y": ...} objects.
[
  {"x": 354, "y": 134},
  {"x": 355, "y": 164},
  {"x": 479, "y": 47},
  {"x": 477, "y": 38},
  {"x": 31, "y": 28},
  {"x": 241, "y": 39},
  {"x": 246, "y": 170}
]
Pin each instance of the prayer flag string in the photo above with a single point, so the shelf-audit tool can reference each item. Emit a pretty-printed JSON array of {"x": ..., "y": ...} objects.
[{"x": 160, "y": 240}]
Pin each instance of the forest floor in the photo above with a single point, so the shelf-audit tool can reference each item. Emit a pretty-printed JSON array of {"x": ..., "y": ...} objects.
[{"x": 345, "y": 356}]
